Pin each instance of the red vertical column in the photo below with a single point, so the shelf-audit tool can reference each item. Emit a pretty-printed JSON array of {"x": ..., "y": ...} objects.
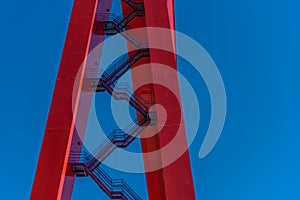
[
  {"x": 173, "y": 181},
  {"x": 50, "y": 176},
  {"x": 155, "y": 180},
  {"x": 86, "y": 95}
]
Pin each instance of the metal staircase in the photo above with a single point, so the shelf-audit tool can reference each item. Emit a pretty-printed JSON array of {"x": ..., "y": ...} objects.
[
  {"x": 83, "y": 164},
  {"x": 112, "y": 24},
  {"x": 119, "y": 68},
  {"x": 114, "y": 188}
]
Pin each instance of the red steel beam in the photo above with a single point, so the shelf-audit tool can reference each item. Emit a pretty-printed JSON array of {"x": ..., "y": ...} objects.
[
  {"x": 50, "y": 180},
  {"x": 178, "y": 181},
  {"x": 60, "y": 136},
  {"x": 86, "y": 95},
  {"x": 155, "y": 180},
  {"x": 175, "y": 180}
]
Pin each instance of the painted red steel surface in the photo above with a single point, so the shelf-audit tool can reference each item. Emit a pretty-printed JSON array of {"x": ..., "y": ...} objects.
[
  {"x": 175, "y": 180},
  {"x": 172, "y": 182},
  {"x": 177, "y": 176},
  {"x": 50, "y": 181},
  {"x": 155, "y": 180},
  {"x": 85, "y": 98}
]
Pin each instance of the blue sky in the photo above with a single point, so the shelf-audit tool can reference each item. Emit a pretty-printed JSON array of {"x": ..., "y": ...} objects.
[{"x": 256, "y": 46}]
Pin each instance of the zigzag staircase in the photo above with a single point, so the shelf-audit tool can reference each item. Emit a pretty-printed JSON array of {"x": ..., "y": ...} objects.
[
  {"x": 114, "y": 188},
  {"x": 83, "y": 163}
]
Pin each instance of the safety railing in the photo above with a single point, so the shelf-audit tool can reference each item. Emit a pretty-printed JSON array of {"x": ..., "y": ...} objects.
[
  {"x": 114, "y": 188},
  {"x": 85, "y": 163},
  {"x": 118, "y": 138},
  {"x": 111, "y": 24}
]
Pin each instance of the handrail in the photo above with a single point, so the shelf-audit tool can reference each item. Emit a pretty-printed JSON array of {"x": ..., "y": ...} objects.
[
  {"x": 120, "y": 70},
  {"x": 114, "y": 188},
  {"x": 111, "y": 143},
  {"x": 131, "y": 101},
  {"x": 85, "y": 163},
  {"x": 123, "y": 87},
  {"x": 119, "y": 23}
]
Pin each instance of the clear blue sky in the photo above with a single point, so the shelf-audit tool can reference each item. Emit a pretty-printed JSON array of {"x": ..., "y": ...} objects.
[{"x": 256, "y": 45}]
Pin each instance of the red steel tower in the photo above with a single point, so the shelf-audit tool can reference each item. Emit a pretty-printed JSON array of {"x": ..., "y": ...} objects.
[{"x": 62, "y": 157}]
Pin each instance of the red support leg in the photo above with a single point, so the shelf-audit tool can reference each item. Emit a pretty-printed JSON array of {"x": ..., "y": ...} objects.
[
  {"x": 175, "y": 180},
  {"x": 178, "y": 181},
  {"x": 50, "y": 179}
]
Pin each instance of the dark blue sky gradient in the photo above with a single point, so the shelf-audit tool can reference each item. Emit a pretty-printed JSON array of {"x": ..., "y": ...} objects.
[{"x": 256, "y": 46}]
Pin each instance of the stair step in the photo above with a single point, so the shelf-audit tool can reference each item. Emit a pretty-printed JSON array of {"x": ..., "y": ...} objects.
[{"x": 80, "y": 170}]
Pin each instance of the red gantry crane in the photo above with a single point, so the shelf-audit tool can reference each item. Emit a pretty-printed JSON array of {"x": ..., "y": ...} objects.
[{"x": 62, "y": 156}]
